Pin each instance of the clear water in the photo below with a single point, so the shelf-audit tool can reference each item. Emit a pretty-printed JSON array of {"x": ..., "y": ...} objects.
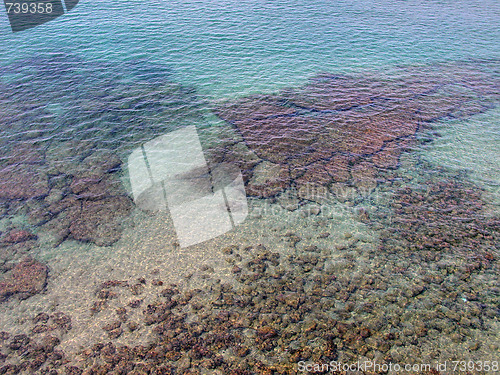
[
  {"x": 228, "y": 48},
  {"x": 89, "y": 82}
]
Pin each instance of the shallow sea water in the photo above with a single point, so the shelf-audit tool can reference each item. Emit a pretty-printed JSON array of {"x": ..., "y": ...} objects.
[{"x": 367, "y": 137}]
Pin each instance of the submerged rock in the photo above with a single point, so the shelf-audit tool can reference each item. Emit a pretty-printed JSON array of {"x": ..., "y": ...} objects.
[
  {"x": 442, "y": 215},
  {"x": 388, "y": 157},
  {"x": 99, "y": 221},
  {"x": 364, "y": 176},
  {"x": 18, "y": 235},
  {"x": 22, "y": 182},
  {"x": 96, "y": 187},
  {"x": 269, "y": 179},
  {"x": 318, "y": 149},
  {"x": 24, "y": 280},
  {"x": 338, "y": 167},
  {"x": 329, "y": 128}
]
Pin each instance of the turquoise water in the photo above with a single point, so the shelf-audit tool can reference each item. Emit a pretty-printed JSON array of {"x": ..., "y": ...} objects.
[
  {"x": 227, "y": 48},
  {"x": 367, "y": 136}
]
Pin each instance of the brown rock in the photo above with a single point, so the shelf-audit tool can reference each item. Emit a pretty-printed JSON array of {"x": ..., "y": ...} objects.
[
  {"x": 68, "y": 202},
  {"x": 433, "y": 107},
  {"x": 96, "y": 187},
  {"x": 25, "y": 279},
  {"x": 364, "y": 176},
  {"x": 279, "y": 138},
  {"x": 57, "y": 229},
  {"x": 99, "y": 163},
  {"x": 62, "y": 321},
  {"x": 268, "y": 180},
  {"x": 79, "y": 185},
  {"x": 352, "y": 134},
  {"x": 41, "y": 318},
  {"x": 388, "y": 157},
  {"x": 300, "y": 129},
  {"x": 22, "y": 182},
  {"x": 338, "y": 167},
  {"x": 48, "y": 343},
  {"x": 132, "y": 326},
  {"x": 18, "y": 235},
  {"x": 303, "y": 144},
  {"x": 114, "y": 334},
  {"x": 111, "y": 326},
  {"x": 316, "y": 173},
  {"x": 267, "y": 332},
  {"x": 99, "y": 221}
]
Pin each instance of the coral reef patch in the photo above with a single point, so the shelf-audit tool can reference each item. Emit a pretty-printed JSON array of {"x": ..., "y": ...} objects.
[
  {"x": 346, "y": 128},
  {"x": 281, "y": 310},
  {"x": 24, "y": 280}
]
